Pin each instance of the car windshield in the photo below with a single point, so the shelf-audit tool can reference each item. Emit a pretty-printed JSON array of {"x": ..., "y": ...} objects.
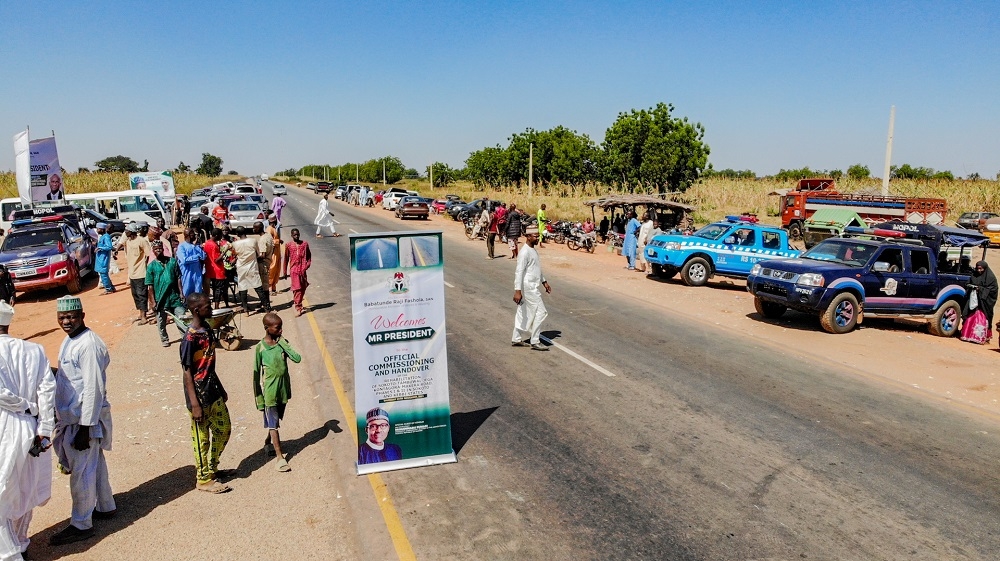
[
  {"x": 31, "y": 238},
  {"x": 712, "y": 231},
  {"x": 410, "y": 200},
  {"x": 846, "y": 252},
  {"x": 244, "y": 207}
]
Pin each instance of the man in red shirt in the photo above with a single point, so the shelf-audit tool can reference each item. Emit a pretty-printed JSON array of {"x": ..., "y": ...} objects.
[
  {"x": 215, "y": 272},
  {"x": 491, "y": 233}
]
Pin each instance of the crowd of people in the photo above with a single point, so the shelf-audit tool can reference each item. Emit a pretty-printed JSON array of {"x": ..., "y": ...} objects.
[{"x": 65, "y": 410}]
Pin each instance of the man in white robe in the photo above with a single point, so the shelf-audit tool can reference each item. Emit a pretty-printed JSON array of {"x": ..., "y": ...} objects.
[
  {"x": 27, "y": 391},
  {"x": 83, "y": 422},
  {"x": 528, "y": 281},
  {"x": 324, "y": 219},
  {"x": 247, "y": 270},
  {"x": 644, "y": 238}
]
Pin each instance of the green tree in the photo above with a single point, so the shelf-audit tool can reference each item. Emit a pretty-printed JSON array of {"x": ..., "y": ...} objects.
[
  {"x": 443, "y": 174},
  {"x": 858, "y": 171},
  {"x": 183, "y": 168},
  {"x": 652, "y": 149},
  {"x": 117, "y": 163},
  {"x": 210, "y": 165},
  {"x": 232, "y": 172},
  {"x": 87, "y": 170},
  {"x": 795, "y": 174},
  {"x": 145, "y": 165},
  {"x": 486, "y": 167}
]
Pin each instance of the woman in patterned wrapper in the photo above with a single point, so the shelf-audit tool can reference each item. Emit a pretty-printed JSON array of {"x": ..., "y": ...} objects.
[{"x": 376, "y": 449}]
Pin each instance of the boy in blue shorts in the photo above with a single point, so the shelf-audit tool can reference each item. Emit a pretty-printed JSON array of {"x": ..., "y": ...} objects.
[{"x": 272, "y": 387}]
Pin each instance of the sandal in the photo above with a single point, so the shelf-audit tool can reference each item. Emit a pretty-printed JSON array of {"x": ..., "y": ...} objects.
[{"x": 213, "y": 487}]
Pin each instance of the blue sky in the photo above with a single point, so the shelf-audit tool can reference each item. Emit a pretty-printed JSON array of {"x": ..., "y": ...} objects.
[{"x": 272, "y": 85}]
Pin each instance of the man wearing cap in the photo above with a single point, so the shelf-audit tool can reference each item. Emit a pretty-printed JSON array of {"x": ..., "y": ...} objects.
[
  {"x": 376, "y": 449},
  {"x": 102, "y": 260},
  {"x": 137, "y": 250},
  {"x": 528, "y": 279},
  {"x": 274, "y": 270},
  {"x": 27, "y": 397},
  {"x": 265, "y": 250},
  {"x": 163, "y": 278},
  {"x": 83, "y": 421}
]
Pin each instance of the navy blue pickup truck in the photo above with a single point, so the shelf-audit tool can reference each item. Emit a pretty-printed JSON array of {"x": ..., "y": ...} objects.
[{"x": 896, "y": 270}]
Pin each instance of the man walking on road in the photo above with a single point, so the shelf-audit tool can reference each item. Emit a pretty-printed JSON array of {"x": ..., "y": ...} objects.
[
  {"x": 83, "y": 415},
  {"x": 102, "y": 257},
  {"x": 163, "y": 278},
  {"x": 528, "y": 280},
  {"x": 324, "y": 218},
  {"x": 205, "y": 396},
  {"x": 542, "y": 221},
  {"x": 191, "y": 261},
  {"x": 298, "y": 259},
  {"x": 27, "y": 403}
]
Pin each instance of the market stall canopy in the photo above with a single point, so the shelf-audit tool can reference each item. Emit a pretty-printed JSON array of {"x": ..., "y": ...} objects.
[{"x": 648, "y": 201}]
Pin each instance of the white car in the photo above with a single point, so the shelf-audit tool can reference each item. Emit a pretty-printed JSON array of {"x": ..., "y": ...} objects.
[
  {"x": 245, "y": 213},
  {"x": 391, "y": 200},
  {"x": 278, "y": 189}
]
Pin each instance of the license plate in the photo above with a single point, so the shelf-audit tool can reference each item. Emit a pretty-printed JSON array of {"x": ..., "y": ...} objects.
[{"x": 17, "y": 273}]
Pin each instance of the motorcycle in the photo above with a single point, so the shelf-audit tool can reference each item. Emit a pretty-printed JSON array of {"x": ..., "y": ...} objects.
[
  {"x": 470, "y": 229},
  {"x": 556, "y": 232},
  {"x": 578, "y": 239}
]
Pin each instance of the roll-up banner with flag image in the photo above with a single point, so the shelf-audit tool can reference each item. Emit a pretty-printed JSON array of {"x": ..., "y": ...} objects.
[
  {"x": 46, "y": 175},
  {"x": 400, "y": 351}
]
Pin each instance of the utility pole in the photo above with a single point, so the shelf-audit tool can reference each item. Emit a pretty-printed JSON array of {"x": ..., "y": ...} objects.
[
  {"x": 888, "y": 152},
  {"x": 383, "y": 172},
  {"x": 431, "y": 168},
  {"x": 356, "y": 176},
  {"x": 531, "y": 168}
]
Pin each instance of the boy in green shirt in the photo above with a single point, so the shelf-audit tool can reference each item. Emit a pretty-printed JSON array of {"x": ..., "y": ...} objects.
[{"x": 272, "y": 387}]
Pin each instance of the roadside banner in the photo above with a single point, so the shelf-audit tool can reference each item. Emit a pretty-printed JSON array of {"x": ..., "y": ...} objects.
[
  {"x": 22, "y": 166},
  {"x": 160, "y": 181},
  {"x": 400, "y": 352},
  {"x": 46, "y": 175}
]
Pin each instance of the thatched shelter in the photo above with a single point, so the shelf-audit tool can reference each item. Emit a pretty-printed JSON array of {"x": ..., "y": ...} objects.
[{"x": 670, "y": 214}]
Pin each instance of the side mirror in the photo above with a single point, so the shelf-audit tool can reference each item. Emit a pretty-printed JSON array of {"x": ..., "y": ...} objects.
[
  {"x": 880, "y": 267},
  {"x": 730, "y": 240}
]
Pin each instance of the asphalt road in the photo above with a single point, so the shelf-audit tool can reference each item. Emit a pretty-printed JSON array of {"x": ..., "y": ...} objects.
[{"x": 642, "y": 436}]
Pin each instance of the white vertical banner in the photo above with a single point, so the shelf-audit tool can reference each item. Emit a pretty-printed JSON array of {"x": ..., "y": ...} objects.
[
  {"x": 400, "y": 352},
  {"x": 46, "y": 175},
  {"x": 22, "y": 166}
]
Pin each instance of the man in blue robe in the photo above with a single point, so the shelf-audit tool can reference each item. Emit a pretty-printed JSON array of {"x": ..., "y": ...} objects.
[
  {"x": 631, "y": 239},
  {"x": 102, "y": 261},
  {"x": 191, "y": 260}
]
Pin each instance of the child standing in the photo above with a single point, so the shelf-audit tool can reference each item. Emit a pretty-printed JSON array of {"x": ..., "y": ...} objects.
[{"x": 272, "y": 387}]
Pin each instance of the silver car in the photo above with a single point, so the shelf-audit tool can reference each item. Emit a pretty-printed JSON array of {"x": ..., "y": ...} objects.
[
  {"x": 245, "y": 213},
  {"x": 278, "y": 189}
]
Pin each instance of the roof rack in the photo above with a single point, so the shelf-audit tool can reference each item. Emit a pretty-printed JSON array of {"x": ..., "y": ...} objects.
[{"x": 880, "y": 234}]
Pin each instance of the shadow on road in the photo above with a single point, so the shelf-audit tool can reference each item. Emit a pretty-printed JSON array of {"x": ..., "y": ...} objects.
[
  {"x": 258, "y": 458},
  {"x": 464, "y": 425},
  {"x": 314, "y": 307},
  {"x": 133, "y": 505}
]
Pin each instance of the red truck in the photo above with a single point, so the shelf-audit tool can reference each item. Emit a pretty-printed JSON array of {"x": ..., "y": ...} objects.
[{"x": 813, "y": 194}]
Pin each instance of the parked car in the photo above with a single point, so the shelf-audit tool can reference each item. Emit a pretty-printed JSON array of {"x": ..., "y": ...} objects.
[
  {"x": 390, "y": 200},
  {"x": 339, "y": 192},
  {"x": 200, "y": 192},
  {"x": 829, "y": 223},
  {"x": 278, "y": 189},
  {"x": 895, "y": 270},
  {"x": 439, "y": 206},
  {"x": 311, "y": 185},
  {"x": 244, "y": 213},
  {"x": 974, "y": 220},
  {"x": 412, "y": 207},
  {"x": 259, "y": 199},
  {"x": 323, "y": 187},
  {"x": 47, "y": 252},
  {"x": 474, "y": 208},
  {"x": 729, "y": 248}
]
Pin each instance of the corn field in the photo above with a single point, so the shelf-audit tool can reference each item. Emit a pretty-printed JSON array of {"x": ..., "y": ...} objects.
[{"x": 112, "y": 181}]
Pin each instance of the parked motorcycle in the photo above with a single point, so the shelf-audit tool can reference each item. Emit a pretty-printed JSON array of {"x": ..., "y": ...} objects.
[
  {"x": 556, "y": 232},
  {"x": 470, "y": 227},
  {"x": 578, "y": 239}
]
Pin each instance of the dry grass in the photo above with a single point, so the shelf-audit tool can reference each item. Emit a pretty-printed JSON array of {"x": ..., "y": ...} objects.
[{"x": 113, "y": 181}]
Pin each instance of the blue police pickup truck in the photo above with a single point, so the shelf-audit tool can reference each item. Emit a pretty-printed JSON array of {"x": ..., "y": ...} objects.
[
  {"x": 729, "y": 248},
  {"x": 895, "y": 270}
]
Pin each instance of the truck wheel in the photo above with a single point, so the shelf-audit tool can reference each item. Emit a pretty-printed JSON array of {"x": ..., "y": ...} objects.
[
  {"x": 74, "y": 285},
  {"x": 696, "y": 272},
  {"x": 795, "y": 231},
  {"x": 770, "y": 310},
  {"x": 841, "y": 315},
  {"x": 944, "y": 322}
]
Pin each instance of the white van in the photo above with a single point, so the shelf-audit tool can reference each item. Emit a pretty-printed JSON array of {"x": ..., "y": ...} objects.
[
  {"x": 135, "y": 205},
  {"x": 7, "y": 208}
]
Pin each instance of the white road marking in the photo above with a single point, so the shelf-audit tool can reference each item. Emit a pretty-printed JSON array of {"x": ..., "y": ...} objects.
[
  {"x": 582, "y": 359},
  {"x": 353, "y": 230},
  {"x": 448, "y": 284},
  {"x": 379, "y": 258}
]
